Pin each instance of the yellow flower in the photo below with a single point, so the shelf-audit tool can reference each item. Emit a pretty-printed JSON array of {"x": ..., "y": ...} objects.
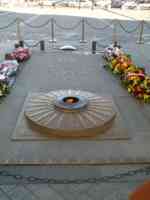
[{"x": 146, "y": 96}]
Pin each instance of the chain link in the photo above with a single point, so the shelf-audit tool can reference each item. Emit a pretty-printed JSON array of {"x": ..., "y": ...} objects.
[
  {"x": 98, "y": 28},
  {"x": 129, "y": 31},
  {"x": 8, "y": 25},
  {"x": 68, "y": 28},
  {"x": 33, "y": 26},
  {"x": 107, "y": 179}
]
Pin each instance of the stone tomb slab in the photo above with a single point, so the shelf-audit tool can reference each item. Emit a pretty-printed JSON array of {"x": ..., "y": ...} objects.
[{"x": 26, "y": 130}]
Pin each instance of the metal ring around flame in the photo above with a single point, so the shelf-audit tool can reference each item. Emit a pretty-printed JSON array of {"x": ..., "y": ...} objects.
[{"x": 81, "y": 103}]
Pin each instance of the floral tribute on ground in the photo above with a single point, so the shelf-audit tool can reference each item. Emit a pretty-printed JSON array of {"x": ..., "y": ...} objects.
[
  {"x": 10, "y": 67},
  {"x": 133, "y": 77}
]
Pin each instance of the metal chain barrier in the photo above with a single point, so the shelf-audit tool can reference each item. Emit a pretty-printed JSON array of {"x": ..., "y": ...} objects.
[
  {"x": 67, "y": 28},
  {"x": 129, "y": 31},
  {"x": 32, "y": 46},
  {"x": 83, "y": 22},
  {"x": 8, "y": 25},
  {"x": 107, "y": 179},
  {"x": 37, "y": 26},
  {"x": 98, "y": 28}
]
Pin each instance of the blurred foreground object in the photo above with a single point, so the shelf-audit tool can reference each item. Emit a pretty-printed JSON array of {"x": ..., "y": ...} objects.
[{"x": 142, "y": 192}]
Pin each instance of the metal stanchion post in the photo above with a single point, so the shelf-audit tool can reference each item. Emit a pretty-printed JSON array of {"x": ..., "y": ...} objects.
[
  {"x": 42, "y": 45},
  {"x": 53, "y": 5},
  {"x": 92, "y": 7},
  {"x": 7, "y": 56},
  {"x": 141, "y": 39},
  {"x": 93, "y": 47},
  {"x": 18, "y": 31},
  {"x": 53, "y": 40},
  {"x": 83, "y": 32},
  {"x": 79, "y": 4},
  {"x": 114, "y": 37},
  {"x": 21, "y": 43},
  {"x": 16, "y": 45}
]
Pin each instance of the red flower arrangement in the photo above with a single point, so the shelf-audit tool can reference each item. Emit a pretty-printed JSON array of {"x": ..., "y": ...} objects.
[
  {"x": 9, "y": 68},
  {"x": 132, "y": 77},
  {"x": 20, "y": 54}
]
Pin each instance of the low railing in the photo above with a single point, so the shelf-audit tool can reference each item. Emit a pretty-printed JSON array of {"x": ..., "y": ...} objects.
[{"x": 83, "y": 24}]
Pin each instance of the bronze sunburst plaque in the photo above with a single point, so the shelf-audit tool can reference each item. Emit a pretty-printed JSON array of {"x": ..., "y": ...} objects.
[{"x": 71, "y": 113}]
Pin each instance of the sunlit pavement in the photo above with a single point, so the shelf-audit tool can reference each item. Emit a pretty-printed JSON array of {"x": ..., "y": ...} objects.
[
  {"x": 11, "y": 190},
  {"x": 87, "y": 12}
]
